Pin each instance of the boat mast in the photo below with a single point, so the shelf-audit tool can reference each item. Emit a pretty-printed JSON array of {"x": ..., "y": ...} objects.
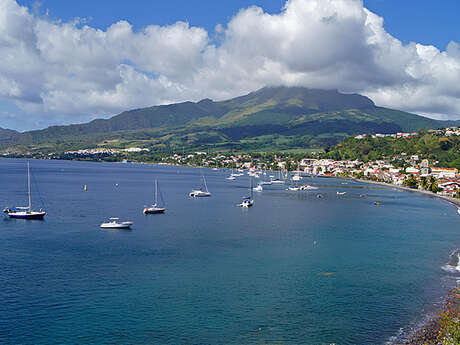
[
  {"x": 205, "y": 185},
  {"x": 28, "y": 185},
  {"x": 156, "y": 192}
]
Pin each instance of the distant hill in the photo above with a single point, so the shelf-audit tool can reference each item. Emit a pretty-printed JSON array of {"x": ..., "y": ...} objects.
[
  {"x": 271, "y": 117},
  {"x": 8, "y": 135}
]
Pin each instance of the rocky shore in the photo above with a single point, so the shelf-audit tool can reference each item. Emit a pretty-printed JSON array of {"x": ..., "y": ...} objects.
[{"x": 444, "y": 329}]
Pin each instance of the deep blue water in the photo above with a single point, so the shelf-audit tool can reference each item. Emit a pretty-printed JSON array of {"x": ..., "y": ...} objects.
[{"x": 293, "y": 269}]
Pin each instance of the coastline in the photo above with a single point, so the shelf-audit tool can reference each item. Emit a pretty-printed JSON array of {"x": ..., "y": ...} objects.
[
  {"x": 433, "y": 328},
  {"x": 453, "y": 201}
]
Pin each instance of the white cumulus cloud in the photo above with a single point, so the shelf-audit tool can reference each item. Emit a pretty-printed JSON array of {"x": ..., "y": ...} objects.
[{"x": 61, "y": 72}]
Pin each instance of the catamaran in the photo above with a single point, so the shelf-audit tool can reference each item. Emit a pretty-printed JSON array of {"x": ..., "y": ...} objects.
[
  {"x": 200, "y": 193},
  {"x": 155, "y": 208},
  {"x": 25, "y": 212}
]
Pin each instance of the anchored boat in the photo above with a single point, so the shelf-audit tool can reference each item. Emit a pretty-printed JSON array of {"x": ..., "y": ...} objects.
[
  {"x": 25, "y": 212},
  {"x": 155, "y": 208},
  {"x": 113, "y": 223}
]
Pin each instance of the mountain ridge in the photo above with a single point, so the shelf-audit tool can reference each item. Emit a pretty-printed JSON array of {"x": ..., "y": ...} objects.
[{"x": 298, "y": 112}]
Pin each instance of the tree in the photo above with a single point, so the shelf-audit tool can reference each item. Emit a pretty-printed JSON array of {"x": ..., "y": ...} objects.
[
  {"x": 424, "y": 182},
  {"x": 411, "y": 182}
]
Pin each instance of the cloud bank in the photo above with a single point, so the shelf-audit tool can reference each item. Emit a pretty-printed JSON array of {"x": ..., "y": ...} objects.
[{"x": 65, "y": 72}]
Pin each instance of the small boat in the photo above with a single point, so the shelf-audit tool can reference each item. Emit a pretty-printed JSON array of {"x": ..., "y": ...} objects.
[
  {"x": 25, "y": 212},
  {"x": 113, "y": 223},
  {"x": 267, "y": 183},
  {"x": 278, "y": 180},
  {"x": 202, "y": 192},
  {"x": 259, "y": 188},
  {"x": 155, "y": 208},
  {"x": 341, "y": 193},
  {"x": 307, "y": 187},
  {"x": 294, "y": 188},
  {"x": 458, "y": 210},
  {"x": 320, "y": 196},
  {"x": 249, "y": 200},
  {"x": 231, "y": 177},
  {"x": 377, "y": 203},
  {"x": 296, "y": 177}
]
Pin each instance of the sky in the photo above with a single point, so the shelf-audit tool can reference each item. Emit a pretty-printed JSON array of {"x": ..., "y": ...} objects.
[{"x": 67, "y": 62}]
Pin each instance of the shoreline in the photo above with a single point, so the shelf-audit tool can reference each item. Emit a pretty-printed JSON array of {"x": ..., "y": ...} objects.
[
  {"x": 430, "y": 330},
  {"x": 455, "y": 202}
]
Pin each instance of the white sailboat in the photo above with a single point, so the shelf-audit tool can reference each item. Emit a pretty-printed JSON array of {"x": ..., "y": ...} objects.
[
  {"x": 279, "y": 179},
  {"x": 249, "y": 200},
  {"x": 25, "y": 212},
  {"x": 231, "y": 177},
  {"x": 200, "y": 193},
  {"x": 259, "y": 188},
  {"x": 113, "y": 223},
  {"x": 155, "y": 208},
  {"x": 297, "y": 176}
]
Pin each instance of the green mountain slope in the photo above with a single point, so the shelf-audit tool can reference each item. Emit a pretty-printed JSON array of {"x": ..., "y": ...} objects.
[
  {"x": 8, "y": 135},
  {"x": 304, "y": 117}
]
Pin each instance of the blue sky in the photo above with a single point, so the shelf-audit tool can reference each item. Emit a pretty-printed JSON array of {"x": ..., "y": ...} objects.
[
  {"x": 55, "y": 72},
  {"x": 424, "y": 21}
]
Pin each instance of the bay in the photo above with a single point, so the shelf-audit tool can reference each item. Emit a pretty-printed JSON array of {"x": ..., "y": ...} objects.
[{"x": 294, "y": 269}]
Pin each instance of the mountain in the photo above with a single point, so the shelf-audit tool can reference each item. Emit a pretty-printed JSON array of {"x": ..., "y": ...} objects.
[
  {"x": 8, "y": 135},
  {"x": 271, "y": 117}
]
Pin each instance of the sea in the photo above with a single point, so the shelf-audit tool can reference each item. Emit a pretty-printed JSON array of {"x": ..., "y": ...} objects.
[{"x": 293, "y": 269}]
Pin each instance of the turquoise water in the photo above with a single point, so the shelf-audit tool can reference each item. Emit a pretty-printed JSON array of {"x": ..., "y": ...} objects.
[{"x": 292, "y": 269}]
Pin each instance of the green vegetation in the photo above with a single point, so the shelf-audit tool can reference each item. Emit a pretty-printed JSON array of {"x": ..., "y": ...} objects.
[
  {"x": 449, "y": 332},
  {"x": 273, "y": 118},
  {"x": 445, "y": 150}
]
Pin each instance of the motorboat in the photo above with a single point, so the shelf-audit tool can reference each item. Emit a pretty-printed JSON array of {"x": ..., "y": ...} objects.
[
  {"x": 341, "y": 193},
  {"x": 25, "y": 212},
  {"x": 259, "y": 188},
  {"x": 114, "y": 223}
]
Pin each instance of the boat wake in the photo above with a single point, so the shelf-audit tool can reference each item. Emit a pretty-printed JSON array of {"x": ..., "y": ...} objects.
[{"x": 453, "y": 265}]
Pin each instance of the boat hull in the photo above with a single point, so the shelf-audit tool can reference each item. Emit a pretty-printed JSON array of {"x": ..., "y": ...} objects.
[
  {"x": 115, "y": 226},
  {"x": 27, "y": 215},
  {"x": 154, "y": 210},
  {"x": 199, "y": 195}
]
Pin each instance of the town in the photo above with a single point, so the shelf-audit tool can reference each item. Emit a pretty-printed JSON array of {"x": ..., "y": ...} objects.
[{"x": 414, "y": 171}]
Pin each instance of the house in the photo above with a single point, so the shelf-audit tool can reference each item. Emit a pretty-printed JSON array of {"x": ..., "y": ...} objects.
[{"x": 444, "y": 172}]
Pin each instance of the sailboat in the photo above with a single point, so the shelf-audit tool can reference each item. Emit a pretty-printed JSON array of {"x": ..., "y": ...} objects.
[
  {"x": 200, "y": 193},
  {"x": 155, "y": 208},
  {"x": 249, "y": 200},
  {"x": 231, "y": 177},
  {"x": 297, "y": 176},
  {"x": 279, "y": 179},
  {"x": 259, "y": 188},
  {"x": 25, "y": 212}
]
